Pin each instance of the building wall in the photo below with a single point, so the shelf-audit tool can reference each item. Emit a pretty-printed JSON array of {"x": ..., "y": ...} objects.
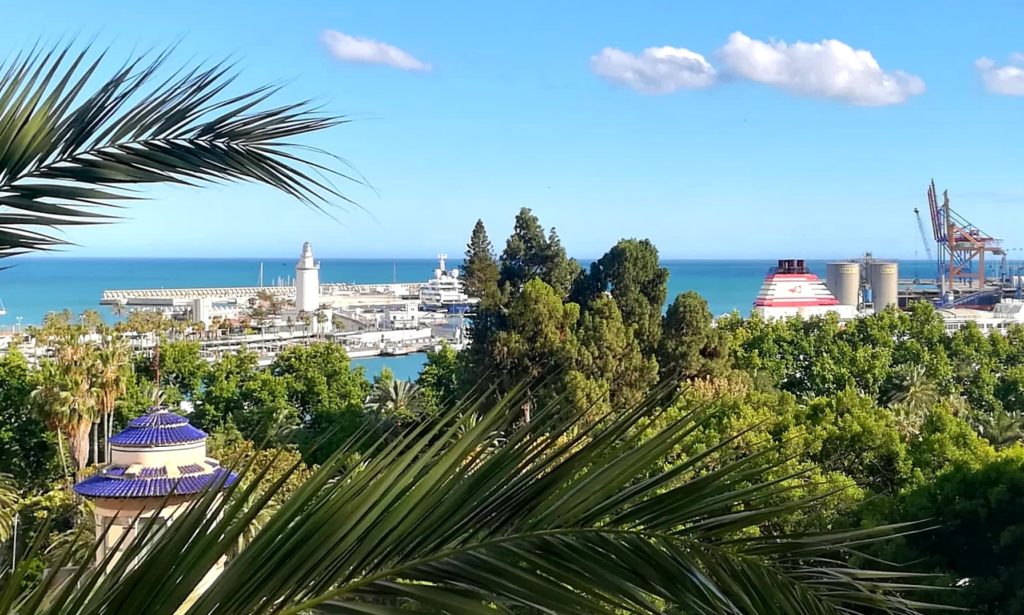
[{"x": 173, "y": 456}]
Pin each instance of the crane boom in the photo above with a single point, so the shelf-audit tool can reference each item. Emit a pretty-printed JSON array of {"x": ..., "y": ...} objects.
[{"x": 924, "y": 235}]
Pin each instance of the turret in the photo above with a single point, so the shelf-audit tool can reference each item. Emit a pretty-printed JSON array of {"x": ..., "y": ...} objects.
[{"x": 158, "y": 466}]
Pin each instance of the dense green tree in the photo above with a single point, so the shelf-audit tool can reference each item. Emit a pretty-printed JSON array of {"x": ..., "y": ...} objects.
[
  {"x": 690, "y": 346},
  {"x": 234, "y": 388},
  {"x": 182, "y": 367},
  {"x": 529, "y": 254},
  {"x": 560, "y": 271},
  {"x": 439, "y": 377},
  {"x": 480, "y": 268},
  {"x": 320, "y": 381},
  {"x": 632, "y": 273},
  {"x": 525, "y": 255},
  {"x": 607, "y": 353},
  {"x": 539, "y": 336},
  {"x": 978, "y": 534},
  {"x": 28, "y": 450},
  {"x": 327, "y": 391},
  {"x": 861, "y": 440}
]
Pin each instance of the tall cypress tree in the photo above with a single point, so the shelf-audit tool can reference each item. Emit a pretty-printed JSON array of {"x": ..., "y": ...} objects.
[
  {"x": 525, "y": 252},
  {"x": 480, "y": 268},
  {"x": 529, "y": 254},
  {"x": 690, "y": 346},
  {"x": 631, "y": 272}
]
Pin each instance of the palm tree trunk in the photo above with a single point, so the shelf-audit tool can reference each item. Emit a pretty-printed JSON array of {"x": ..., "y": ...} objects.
[
  {"x": 95, "y": 431},
  {"x": 79, "y": 445},
  {"x": 106, "y": 437},
  {"x": 63, "y": 459}
]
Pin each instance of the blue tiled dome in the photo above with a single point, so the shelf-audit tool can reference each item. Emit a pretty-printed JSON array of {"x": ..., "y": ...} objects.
[
  {"x": 158, "y": 418},
  {"x": 158, "y": 428},
  {"x": 115, "y": 483},
  {"x": 158, "y": 436}
]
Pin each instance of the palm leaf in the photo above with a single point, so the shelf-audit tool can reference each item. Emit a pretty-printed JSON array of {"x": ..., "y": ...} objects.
[
  {"x": 8, "y": 506},
  {"x": 561, "y": 518},
  {"x": 72, "y": 142}
]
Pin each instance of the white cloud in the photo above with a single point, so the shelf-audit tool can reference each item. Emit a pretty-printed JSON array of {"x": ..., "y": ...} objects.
[
  {"x": 368, "y": 51},
  {"x": 1006, "y": 80},
  {"x": 829, "y": 69},
  {"x": 658, "y": 70}
]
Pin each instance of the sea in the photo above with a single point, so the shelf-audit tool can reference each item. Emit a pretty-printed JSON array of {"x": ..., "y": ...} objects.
[{"x": 30, "y": 287}]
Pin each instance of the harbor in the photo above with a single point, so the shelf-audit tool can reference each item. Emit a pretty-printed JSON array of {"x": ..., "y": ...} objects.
[
  {"x": 965, "y": 289},
  {"x": 369, "y": 320}
]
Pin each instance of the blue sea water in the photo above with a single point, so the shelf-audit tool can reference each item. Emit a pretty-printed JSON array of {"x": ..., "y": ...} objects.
[{"x": 33, "y": 286}]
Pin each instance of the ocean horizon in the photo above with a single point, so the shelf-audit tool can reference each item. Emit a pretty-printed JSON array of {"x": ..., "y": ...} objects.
[{"x": 33, "y": 286}]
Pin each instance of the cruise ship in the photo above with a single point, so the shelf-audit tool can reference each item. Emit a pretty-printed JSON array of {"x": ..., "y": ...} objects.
[{"x": 444, "y": 292}]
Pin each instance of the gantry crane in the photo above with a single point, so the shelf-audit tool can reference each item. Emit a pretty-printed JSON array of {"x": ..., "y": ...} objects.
[
  {"x": 961, "y": 245},
  {"x": 924, "y": 234}
]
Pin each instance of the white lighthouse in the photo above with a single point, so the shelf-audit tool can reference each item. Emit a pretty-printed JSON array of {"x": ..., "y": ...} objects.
[{"x": 307, "y": 281}]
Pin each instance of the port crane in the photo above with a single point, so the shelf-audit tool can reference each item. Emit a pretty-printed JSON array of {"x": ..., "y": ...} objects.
[
  {"x": 961, "y": 245},
  {"x": 924, "y": 234}
]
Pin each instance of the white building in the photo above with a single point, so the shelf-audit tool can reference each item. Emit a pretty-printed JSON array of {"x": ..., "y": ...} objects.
[
  {"x": 307, "y": 281},
  {"x": 1004, "y": 314}
]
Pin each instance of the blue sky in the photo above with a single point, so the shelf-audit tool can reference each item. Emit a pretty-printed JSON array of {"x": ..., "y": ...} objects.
[{"x": 725, "y": 146}]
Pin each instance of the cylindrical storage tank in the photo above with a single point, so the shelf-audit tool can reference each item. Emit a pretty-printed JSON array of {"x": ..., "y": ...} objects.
[
  {"x": 884, "y": 279},
  {"x": 843, "y": 281}
]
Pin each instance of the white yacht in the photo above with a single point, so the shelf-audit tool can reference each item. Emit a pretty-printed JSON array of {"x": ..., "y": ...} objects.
[{"x": 444, "y": 292}]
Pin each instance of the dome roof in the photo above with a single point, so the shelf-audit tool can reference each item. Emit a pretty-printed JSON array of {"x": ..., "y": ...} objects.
[
  {"x": 158, "y": 418},
  {"x": 122, "y": 482},
  {"x": 158, "y": 428}
]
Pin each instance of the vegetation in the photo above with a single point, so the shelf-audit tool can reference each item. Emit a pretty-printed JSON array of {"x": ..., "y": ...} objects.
[{"x": 553, "y": 520}]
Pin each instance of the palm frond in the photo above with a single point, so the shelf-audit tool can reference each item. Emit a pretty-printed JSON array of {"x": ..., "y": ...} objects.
[
  {"x": 560, "y": 518},
  {"x": 73, "y": 140},
  {"x": 8, "y": 506}
]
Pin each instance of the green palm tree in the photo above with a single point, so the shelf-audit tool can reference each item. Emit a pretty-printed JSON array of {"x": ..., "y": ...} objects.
[
  {"x": 67, "y": 396},
  {"x": 560, "y": 518},
  {"x": 113, "y": 369},
  {"x": 396, "y": 399},
  {"x": 914, "y": 396},
  {"x": 1000, "y": 427},
  {"x": 75, "y": 135}
]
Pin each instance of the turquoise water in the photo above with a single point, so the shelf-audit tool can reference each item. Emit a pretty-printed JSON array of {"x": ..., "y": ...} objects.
[{"x": 33, "y": 286}]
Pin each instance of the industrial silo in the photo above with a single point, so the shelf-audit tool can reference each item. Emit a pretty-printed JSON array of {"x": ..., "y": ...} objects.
[
  {"x": 884, "y": 279},
  {"x": 843, "y": 281}
]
